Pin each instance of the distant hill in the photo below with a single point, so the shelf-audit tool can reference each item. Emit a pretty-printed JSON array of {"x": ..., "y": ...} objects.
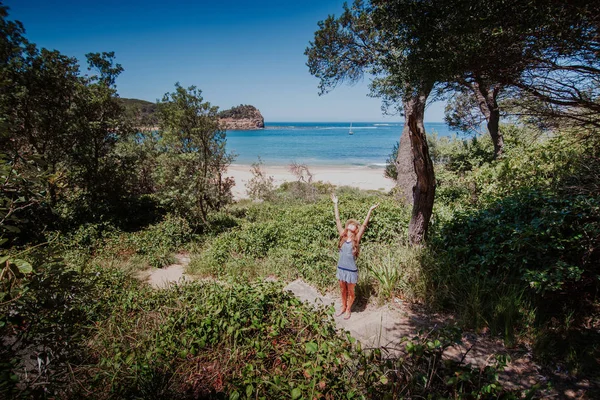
[
  {"x": 146, "y": 107},
  {"x": 242, "y": 117},
  {"x": 144, "y": 111}
]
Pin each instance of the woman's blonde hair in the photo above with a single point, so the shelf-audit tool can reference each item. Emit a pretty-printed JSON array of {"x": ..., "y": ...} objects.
[{"x": 355, "y": 245}]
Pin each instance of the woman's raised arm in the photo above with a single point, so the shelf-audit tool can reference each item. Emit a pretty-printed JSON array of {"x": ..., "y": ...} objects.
[
  {"x": 362, "y": 228},
  {"x": 338, "y": 223}
]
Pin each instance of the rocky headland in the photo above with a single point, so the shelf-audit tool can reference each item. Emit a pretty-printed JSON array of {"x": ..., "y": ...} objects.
[{"x": 242, "y": 118}]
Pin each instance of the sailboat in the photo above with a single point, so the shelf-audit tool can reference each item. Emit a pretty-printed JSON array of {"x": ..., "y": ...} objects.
[{"x": 350, "y": 132}]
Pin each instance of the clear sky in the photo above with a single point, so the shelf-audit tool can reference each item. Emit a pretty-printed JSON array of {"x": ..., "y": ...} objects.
[{"x": 236, "y": 52}]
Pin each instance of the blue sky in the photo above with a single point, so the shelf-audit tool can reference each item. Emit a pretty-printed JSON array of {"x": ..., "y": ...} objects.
[{"x": 236, "y": 52}]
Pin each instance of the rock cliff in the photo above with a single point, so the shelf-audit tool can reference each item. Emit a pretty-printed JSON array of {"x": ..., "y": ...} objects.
[{"x": 242, "y": 117}]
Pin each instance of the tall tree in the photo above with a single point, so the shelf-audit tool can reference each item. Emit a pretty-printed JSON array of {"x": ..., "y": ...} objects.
[
  {"x": 466, "y": 46},
  {"x": 545, "y": 53},
  {"x": 190, "y": 172},
  {"x": 473, "y": 101},
  {"x": 62, "y": 123},
  {"x": 346, "y": 48},
  {"x": 100, "y": 123}
]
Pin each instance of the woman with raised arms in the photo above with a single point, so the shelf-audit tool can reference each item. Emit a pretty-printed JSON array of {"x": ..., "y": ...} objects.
[{"x": 347, "y": 272}]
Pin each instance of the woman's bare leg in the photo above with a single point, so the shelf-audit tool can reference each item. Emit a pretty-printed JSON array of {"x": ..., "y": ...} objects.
[
  {"x": 344, "y": 290},
  {"x": 350, "y": 299}
]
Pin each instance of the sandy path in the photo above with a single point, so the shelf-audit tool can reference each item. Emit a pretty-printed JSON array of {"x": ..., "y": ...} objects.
[
  {"x": 161, "y": 278},
  {"x": 387, "y": 326}
]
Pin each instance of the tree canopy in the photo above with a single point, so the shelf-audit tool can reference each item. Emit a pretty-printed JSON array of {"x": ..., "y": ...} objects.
[
  {"x": 239, "y": 112},
  {"x": 544, "y": 51}
]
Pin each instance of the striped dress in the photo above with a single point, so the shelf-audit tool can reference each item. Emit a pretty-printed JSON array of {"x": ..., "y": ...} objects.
[{"x": 347, "y": 270}]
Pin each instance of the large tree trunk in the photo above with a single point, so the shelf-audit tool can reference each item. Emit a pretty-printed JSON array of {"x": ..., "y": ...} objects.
[
  {"x": 407, "y": 178},
  {"x": 487, "y": 99},
  {"x": 424, "y": 187}
]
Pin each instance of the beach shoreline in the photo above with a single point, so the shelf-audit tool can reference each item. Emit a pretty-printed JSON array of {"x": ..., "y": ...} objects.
[{"x": 362, "y": 177}]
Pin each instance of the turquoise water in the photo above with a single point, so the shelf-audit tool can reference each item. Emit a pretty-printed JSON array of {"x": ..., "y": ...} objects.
[{"x": 320, "y": 143}]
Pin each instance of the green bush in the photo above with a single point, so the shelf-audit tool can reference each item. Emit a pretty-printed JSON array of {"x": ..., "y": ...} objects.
[
  {"x": 397, "y": 270},
  {"x": 103, "y": 335},
  {"x": 157, "y": 242},
  {"x": 539, "y": 239},
  {"x": 294, "y": 240},
  {"x": 153, "y": 245},
  {"x": 527, "y": 253},
  {"x": 48, "y": 326}
]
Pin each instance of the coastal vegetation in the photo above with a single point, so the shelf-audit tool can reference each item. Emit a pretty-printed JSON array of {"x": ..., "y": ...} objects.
[
  {"x": 239, "y": 112},
  {"x": 545, "y": 54},
  {"x": 87, "y": 200}
]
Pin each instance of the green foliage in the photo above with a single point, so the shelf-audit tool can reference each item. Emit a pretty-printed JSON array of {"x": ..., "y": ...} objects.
[
  {"x": 79, "y": 135},
  {"x": 101, "y": 334},
  {"x": 390, "y": 164},
  {"x": 467, "y": 175},
  {"x": 301, "y": 192},
  {"x": 260, "y": 186},
  {"x": 13, "y": 269},
  {"x": 48, "y": 325},
  {"x": 240, "y": 112},
  {"x": 544, "y": 241},
  {"x": 523, "y": 255},
  {"x": 157, "y": 242},
  {"x": 144, "y": 111},
  {"x": 65, "y": 125},
  {"x": 245, "y": 339},
  {"x": 21, "y": 189},
  {"x": 294, "y": 240},
  {"x": 189, "y": 175},
  {"x": 462, "y": 112},
  {"x": 153, "y": 246},
  {"x": 514, "y": 245},
  {"x": 471, "y": 154},
  {"x": 397, "y": 270}
]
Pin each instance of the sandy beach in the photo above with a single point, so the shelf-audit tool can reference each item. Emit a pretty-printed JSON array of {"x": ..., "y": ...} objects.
[{"x": 362, "y": 177}]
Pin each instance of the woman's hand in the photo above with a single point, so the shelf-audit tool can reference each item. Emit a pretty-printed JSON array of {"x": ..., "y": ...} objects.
[
  {"x": 374, "y": 207},
  {"x": 334, "y": 198}
]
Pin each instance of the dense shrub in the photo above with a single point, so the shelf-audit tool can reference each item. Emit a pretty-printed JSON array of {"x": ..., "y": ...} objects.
[
  {"x": 104, "y": 335},
  {"x": 44, "y": 331},
  {"x": 153, "y": 246},
  {"x": 157, "y": 242},
  {"x": 294, "y": 240},
  {"x": 528, "y": 260},
  {"x": 546, "y": 242}
]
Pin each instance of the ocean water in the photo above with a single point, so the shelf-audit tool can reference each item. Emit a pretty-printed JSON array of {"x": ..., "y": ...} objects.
[{"x": 321, "y": 143}]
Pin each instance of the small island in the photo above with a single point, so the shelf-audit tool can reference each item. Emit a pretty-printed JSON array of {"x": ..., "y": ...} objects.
[{"x": 242, "y": 118}]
